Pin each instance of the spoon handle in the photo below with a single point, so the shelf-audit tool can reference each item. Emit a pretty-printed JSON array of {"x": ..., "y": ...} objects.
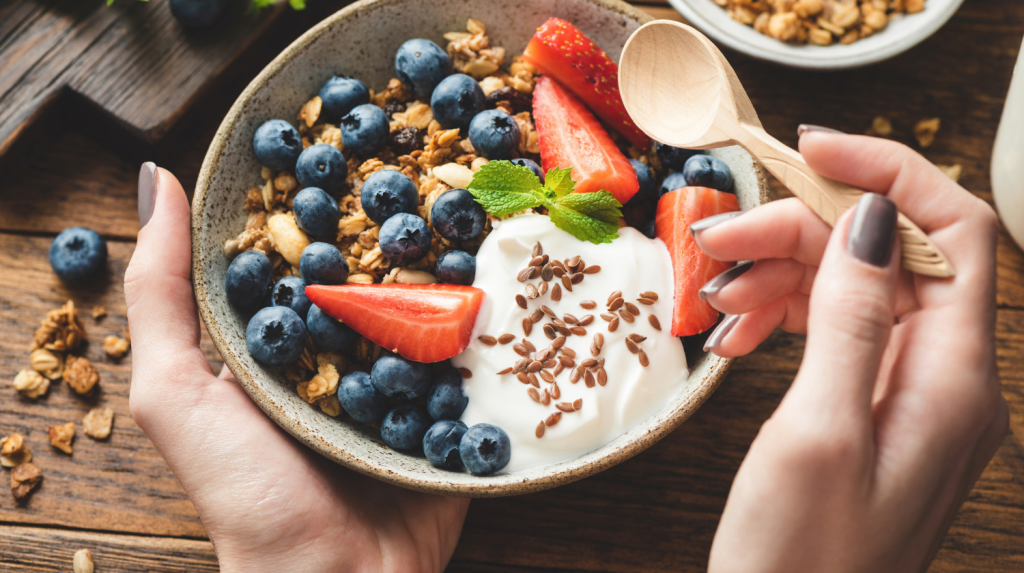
[{"x": 830, "y": 199}]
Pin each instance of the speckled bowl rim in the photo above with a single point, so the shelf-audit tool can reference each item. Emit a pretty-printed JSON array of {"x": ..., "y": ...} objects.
[{"x": 491, "y": 486}]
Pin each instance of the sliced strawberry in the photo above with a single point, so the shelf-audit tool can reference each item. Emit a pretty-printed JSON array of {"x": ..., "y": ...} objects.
[
  {"x": 692, "y": 268},
  {"x": 570, "y": 136},
  {"x": 424, "y": 323},
  {"x": 558, "y": 48}
]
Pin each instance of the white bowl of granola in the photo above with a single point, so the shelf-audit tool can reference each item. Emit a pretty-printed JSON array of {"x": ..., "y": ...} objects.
[
  {"x": 820, "y": 34},
  {"x": 361, "y": 40}
]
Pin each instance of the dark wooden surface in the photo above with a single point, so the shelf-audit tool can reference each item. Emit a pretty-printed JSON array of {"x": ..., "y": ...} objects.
[{"x": 656, "y": 512}]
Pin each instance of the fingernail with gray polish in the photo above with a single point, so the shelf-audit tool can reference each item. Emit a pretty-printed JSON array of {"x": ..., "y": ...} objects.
[
  {"x": 873, "y": 230},
  {"x": 721, "y": 332},
  {"x": 718, "y": 283},
  {"x": 805, "y": 127},
  {"x": 147, "y": 192},
  {"x": 708, "y": 222}
]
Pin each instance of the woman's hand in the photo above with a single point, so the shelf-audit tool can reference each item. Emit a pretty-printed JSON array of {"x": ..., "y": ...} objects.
[
  {"x": 887, "y": 426},
  {"x": 266, "y": 501}
]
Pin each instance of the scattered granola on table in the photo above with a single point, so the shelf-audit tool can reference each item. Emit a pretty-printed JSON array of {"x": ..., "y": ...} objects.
[
  {"x": 819, "y": 22},
  {"x": 61, "y": 436},
  {"x": 24, "y": 478},
  {"x": 13, "y": 451},
  {"x": 98, "y": 312},
  {"x": 83, "y": 562},
  {"x": 925, "y": 131},
  {"x": 880, "y": 127},
  {"x": 952, "y": 171},
  {"x": 49, "y": 364},
  {"x": 115, "y": 347},
  {"x": 80, "y": 374},
  {"x": 61, "y": 330},
  {"x": 31, "y": 384},
  {"x": 96, "y": 424}
]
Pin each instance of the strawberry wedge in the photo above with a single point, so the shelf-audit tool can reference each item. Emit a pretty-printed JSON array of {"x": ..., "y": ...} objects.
[
  {"x": 570, "y": 136},
  {"x": 558, "y": 48},
  {"x": 424, "y": 323},
  {"x": 690, "y": 266}
]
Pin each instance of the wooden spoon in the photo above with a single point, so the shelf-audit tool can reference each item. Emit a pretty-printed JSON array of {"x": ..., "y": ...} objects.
[{"x": 681, "y": 91}]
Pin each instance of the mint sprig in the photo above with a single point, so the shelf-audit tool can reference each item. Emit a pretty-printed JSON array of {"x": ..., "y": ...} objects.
[{"x": 503, "y": 188}]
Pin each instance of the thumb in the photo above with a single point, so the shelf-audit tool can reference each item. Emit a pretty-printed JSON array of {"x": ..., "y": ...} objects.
[
  {"x": 162, "y": 312},
  {"x": 851, "y": 313}
]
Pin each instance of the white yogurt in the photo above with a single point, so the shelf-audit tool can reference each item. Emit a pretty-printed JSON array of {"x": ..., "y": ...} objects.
[{"x": 632, "y": 264}]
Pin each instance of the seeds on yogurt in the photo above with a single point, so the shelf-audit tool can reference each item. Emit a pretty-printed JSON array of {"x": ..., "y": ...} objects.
[
  {"x": 487, "y": 339},
  {"x": 565, "y": 407},
  {"x": 536, "y": 315},
  {"x": 577, "y": 404},
  {"x": 613, "y": 296},
  {"x": 547, "y": 273},
  {"x": 645, "y": 301},
  {"x": 527, "y": 326},
  {"x": 592, "y": 269},
  {"x": 626, "y": 315},
  {"x": 521, "y": 301},
  {"x": 615, "y": 304},
  {"x": 542, "y": 288},
  {"x": 529, "y": 345},
  {"x": 466, "y": 373},
  {"x": 539, "y": 432},
  {"x": 586, "y": 320},
  {"x": 637, "y": 338},
  {"x": 655, "y": 323},
  {"x": 558, "y": 342},
  {"x": 522, "y": 377},
  {"x": 556, "y": 292},
  {"x": 568, "y": 352},
  {"x": 506, "y": 338},
  {"x": 538, "y": 249},
  {"x": 632, "y": 308},
  {"x": 533, "y": 394},
  {"x": 650, "y": 295},
  {"x": 588, "y": 304},
  {"x": 567, "y": 283},
  {"x": 644, "y": 361},
  {"x": 553, "y": 419},
  {"x": 531, "y": 292},
  {"x": 613, "y": 325},
  {"x": 505, "y": 371},
  {"x": 549, "y": 331},
  {"x": 524, "y": 274},
  {"x": 570, "y": 319},
  {"x": 632, "y": 346},
  {"x": 602, "y": 376}
]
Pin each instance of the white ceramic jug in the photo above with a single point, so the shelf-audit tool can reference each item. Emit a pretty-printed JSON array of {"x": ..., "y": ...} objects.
[{"x": 1008, "y": 158}]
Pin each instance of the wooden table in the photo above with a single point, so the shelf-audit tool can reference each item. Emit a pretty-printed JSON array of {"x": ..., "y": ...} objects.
[{"x": 656, "y": 512}]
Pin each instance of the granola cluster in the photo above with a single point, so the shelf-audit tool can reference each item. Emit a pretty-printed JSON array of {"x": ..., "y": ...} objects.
[{"x": 818, "y": 22}]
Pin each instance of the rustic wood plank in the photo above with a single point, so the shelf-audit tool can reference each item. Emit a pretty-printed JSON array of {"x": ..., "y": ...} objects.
[
  {"x": 37, "y": 550},
  {"x": 119, "y": 484}
]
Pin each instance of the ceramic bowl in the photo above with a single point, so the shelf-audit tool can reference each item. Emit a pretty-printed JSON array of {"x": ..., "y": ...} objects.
[
  {"x": 902, "y": 33},
  {"x": 361, "y": 40}
]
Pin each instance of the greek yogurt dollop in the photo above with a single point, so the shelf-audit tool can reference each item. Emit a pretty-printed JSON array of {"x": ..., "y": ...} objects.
[{"x": 631, "y": 264}]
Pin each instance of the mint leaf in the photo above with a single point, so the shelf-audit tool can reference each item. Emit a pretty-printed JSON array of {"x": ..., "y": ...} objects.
[
  {"x": 297, "y": 4},
  {"x": 600, "y": 205},
  {"x": 581, "y": 226},
  {"x": 560, "y": 181},
  {"x": 505, "y": 177},
  {"x": 500, "y": 204}
]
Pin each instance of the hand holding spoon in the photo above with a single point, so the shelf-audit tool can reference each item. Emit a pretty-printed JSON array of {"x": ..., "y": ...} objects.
[{"x": 681, "y": 91}]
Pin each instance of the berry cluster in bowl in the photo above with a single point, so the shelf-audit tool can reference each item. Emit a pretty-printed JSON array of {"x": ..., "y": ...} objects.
[{"x": 372, "y": 190}]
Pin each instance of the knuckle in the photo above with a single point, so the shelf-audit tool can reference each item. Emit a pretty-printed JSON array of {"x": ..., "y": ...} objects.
[
  {"x": 823, "y": 449},
  {"x": 866, "y": 315}
]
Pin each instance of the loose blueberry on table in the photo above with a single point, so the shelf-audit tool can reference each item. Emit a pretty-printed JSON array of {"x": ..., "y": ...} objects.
[{"x": 78, "y": 255}]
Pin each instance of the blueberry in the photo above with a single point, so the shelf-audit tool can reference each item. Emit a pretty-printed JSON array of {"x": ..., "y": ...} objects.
[
  {"x": 276, "y": 336},
  {"x": 532, "y": 165},
  {"x": 291, "y": 292},
  {"x": 328, "y": 333},
  {"x": 321, "y": 166},
  {"x": 323, "y": 264},
  {"x": 277, "y": 145},
  {"x": 404, "y": 426},
  {"x": 247, "y": 279},
  {"x": 404, "y": 239},
  {"x": 494, "y": 134},
  {"x": 421, "y": 65},
  {"x": 456, "y": 268},
  {"x": 446, "y": 400},
  {"x": 340, "y": 94},
  {"x": 197, "y": 13},
  {"x": 648, "y": 229},
  {"x": 365, "y": 130},
  {"x": 387, "y": 193},
  {"x": 441, "y": 444},
  {"x": 316, "y": 212},
  {"x": 456, "y": 100},
  {"x": 707, "y": 171},
  {"x": 648, "y": 188},
  {"x": 485, "y": 449},
  {"x": 78, "y": 254},
  {"x": 673, "y": 158},
  {"x": 457, "y": 216},
  {"x": 399, "y": 378},
  {"x": 360, "y": 399},
  {"x": 671, "y": 183}
]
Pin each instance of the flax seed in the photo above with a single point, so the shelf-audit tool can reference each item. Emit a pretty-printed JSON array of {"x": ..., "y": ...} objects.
[
  {"x": 613, "y": 325},
  {"x": 549, "y": 363},
  {"x": 643, "y": 359},
  {"x": 565, "y": 406},
  {"x": 534, "y": 366},
  {"x": 616, "y": 304},
  {"x": 465, "y": 373},
  {"x": 633, "y": 309},
  {"x": 531, "y": 292},
  {"x": 521, "y": 301},
  {"x": 613, "y": 296},
  {"x": 533, "y": 379},
  {"x": 536, "y": 315},
  {"x": 595, "y": 350},
  {"x": 556, "y": 292},
  {"x": 587, "y": 363},
  {"x": 558, "y": 342},
  {"x": 553, "y": 419},
  {"x": 627, "y": 316},
  {"x": 602, "y": 376},
  {"x": 522, "y": 377},
  {"x": 632, "y": 346},
  {"x": 506, "y": 338},
  {"x": 529, "y": 345},
  {"x": 608, "y": 317},
  {"x": 521, "y": 365},
  {"x": 566, "y": 361},
  {"x": 547, "y": 273},
  {"x": 549, "y": 331},
  {"x": 556, "y": 392},
  {"x": 600, "y": 363},
  {"x": 578, "y": 331},
  {"x": 572, "y": 262},
  {"x": 588, "y": 379},
  {"x": 544, "y": 354},
  {"x": 545, "y": 398},
  {"x": 539, "y": 432},
  {"x": 558, "y": 369},
  {"x": 524, "y": 274},
  {"x": 558, "y": 272},
  {"x": 588, "y": 304},
  {"x": 527, "y": 326},
  {"x": 645, "y": 301},
  {"x": 637, "y": 338},
  {"x": 533, "y": 393},
  {"x": 487, "y": 339},
  {"x": 650, "y": 295},
  {"x": 655, "y": 323},
  {"x": 567, "y": 282},
  {"x": 574, "y": 376},
  {"x": 570, "y": 319},
  {"x": 563, "y": 330},
  {"x": 576, "y": 278},
  {"x": 520, "y": 349},
  {"x": 592, "y": 269},
  {"x": 559, "y": 323},
  {"x": 557, "y": 265},
  {"x": 535, "y": 272},
  {"x": 505, "y": 371},
  {"x": 536, "y": 261},
  {"x": 577, "y": 404},
  {"x": 586, "y": 320},
  {"x": 548, "y": 311},
  {"x": 568, "y": 352},
  {"x": 537, "y": 249},
  {"x": 543, "y": 288}
]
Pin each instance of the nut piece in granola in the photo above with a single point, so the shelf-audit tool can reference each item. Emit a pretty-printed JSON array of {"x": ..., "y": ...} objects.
[
  {"x": 60, "y": 331},
  {"x": 115, "y": 347},
  {"x": 80, "y": 374},
  {"x": 61, "y": 436},
  {"x": 47, "y": 363},
  {"x": 83, "y": 562},
  {"x": 24, "y": 478},
  {"x": 31, "y": 384},
  {"x": 13, "y": 451},
  {"x": 96, "y": 424},
  {"x": 925, "y": 131}
]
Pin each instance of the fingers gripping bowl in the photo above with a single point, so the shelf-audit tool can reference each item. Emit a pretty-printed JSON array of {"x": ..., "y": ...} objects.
[{"x": 361, "y": 41}]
